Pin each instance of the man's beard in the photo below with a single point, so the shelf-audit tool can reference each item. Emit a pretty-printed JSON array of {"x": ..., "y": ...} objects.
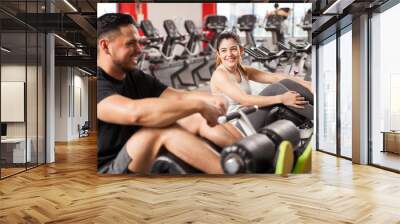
[{"x": 124, "y": 66}]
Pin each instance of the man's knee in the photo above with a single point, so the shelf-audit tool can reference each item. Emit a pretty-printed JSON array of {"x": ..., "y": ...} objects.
[
  {"x": 160, "y": 135},
  {"x": 192, "y": 123},
  {"x": 145, "y": 134}
]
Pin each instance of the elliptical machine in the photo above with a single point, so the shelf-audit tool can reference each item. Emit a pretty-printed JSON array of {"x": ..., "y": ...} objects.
[
  {"x": 159, "y": 58},
  {"x": 247, "y": 23},
  {"x": 214, "y": 25},
  {"x": 194, "y": 46},
  {"x": 306, "y": 25},
  {"x": 274, "y": 24},
  {"x": 190, "y": 55}
]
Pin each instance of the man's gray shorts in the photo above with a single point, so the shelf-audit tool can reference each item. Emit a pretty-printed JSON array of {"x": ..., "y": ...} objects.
[{"x": 119, "y": 165}]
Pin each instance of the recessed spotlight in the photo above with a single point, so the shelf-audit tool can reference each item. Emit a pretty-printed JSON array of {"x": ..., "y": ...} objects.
[
  {"x": 5, "y": 50},
  {"x": 64, "y": 40},
  {"x": 70, "y": 5}
]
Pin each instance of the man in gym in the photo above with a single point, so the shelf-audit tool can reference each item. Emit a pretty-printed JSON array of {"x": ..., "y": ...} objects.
[
  {"x": 284, "y": 12},
  {"x": 138, "y": 115}
]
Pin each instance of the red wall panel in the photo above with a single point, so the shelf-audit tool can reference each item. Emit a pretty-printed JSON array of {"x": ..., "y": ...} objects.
[
  {"x": 131, "y": 8},
  {"x": 208, "y": 9}
]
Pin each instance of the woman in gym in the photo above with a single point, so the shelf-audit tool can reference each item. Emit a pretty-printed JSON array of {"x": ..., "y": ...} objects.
[{"x": 231, "y": 78}]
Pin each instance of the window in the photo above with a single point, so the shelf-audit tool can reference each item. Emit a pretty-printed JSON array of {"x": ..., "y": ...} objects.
[
  {"x": 22, "y": 74},
  {"x": 385, "y": 85},
  {"x": 297, "y": 11},
  {"x": 327, "y": 96},
  {"x": 346, "y": 93}
]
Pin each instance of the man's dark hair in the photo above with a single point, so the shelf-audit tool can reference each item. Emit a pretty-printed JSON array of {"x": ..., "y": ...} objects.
[{"x": 111, "y": 22}]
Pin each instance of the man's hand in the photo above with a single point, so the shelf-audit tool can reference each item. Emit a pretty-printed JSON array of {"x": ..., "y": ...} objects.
[
  {"x": 211, "y": 114},
  {"x": 220, "y": 102}
]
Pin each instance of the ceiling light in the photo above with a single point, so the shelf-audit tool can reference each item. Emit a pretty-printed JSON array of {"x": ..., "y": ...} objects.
[
  {"x": 65, "y": 41},
  {"x": 86, "y": 72},
  {"x": 338, "y": 6},
  {"x": 5, "y": 50},
  {"x": 70, "y": 5}
]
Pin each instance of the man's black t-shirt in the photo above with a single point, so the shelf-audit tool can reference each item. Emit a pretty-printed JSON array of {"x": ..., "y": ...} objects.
[{"x": 136, "y": 85}]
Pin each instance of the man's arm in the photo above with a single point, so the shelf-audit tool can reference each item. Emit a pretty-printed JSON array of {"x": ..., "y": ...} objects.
[
  {"x": 150, "y": 112},
  {"x": 176, "y": 94}
]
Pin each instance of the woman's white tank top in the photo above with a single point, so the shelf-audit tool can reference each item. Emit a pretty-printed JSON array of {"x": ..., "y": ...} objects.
[{"x": 244, "y": 85}]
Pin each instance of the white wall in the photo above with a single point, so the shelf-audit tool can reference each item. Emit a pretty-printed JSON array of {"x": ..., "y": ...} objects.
[
  {"x": 71, "y": 94},
  {"x": 33, "y": 126},
  {"x": 61, "y": 103},
  {"x": 178, "y": 12},
  {"x": 16, "y": 73},
  {"x": 103, "y": 8}
]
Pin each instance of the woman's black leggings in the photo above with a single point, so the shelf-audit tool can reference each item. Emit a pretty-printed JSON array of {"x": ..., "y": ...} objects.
[{"x": 260, "y": 118}]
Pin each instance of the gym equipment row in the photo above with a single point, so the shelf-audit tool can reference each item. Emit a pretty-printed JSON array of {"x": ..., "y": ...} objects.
[
  {"x": 165, "y": 56},
  {"x": 159, "y": 55},
  {"x": 287, "y": 54}
]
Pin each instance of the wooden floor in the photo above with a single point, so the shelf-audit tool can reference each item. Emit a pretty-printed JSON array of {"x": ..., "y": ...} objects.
[
  {"x": 387, "y": 159},
  {"x": 10, "y": 171},
  {"x": 70, "y": 191}
]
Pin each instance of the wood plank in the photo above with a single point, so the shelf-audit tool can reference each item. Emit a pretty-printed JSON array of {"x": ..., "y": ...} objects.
[{"x": 70, "y": 191}]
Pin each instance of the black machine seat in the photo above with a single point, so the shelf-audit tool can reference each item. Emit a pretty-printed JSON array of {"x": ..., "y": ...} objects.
[
  {"x": 150, "y": 32},
  {"x": 191, "y": 29},
  {"x": 216, "y": 23},
  {"x": 173, "y": 37},
  {"x": 307, "y": 21},
  {"x": 168, "y": 163},
  {"x": 274, "y": 23},
  {"x": 194, "y": 36},
  {"x": 172, "y": 30},
  {"x": 247, "y": 22}
]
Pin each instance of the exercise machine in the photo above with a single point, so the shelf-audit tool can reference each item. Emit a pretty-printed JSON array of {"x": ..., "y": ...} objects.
[
  {"x": 265, "y": 130},
  {"x": 246, "y": 24},
  {"x": 214, "y": 25},
  {"x": 159, "y": 53}
]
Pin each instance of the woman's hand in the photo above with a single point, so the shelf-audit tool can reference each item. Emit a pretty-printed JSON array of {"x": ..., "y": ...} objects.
[{"x": 294, "y": 99}]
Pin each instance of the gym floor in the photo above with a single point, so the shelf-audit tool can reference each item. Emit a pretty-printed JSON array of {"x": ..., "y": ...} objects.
[{"x": 70, "y": 191}]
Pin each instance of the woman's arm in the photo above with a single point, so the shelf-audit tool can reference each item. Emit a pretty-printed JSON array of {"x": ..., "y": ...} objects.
[
  {"x": 269, "y": 77},
  {"x": 229, "y": 87}
]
